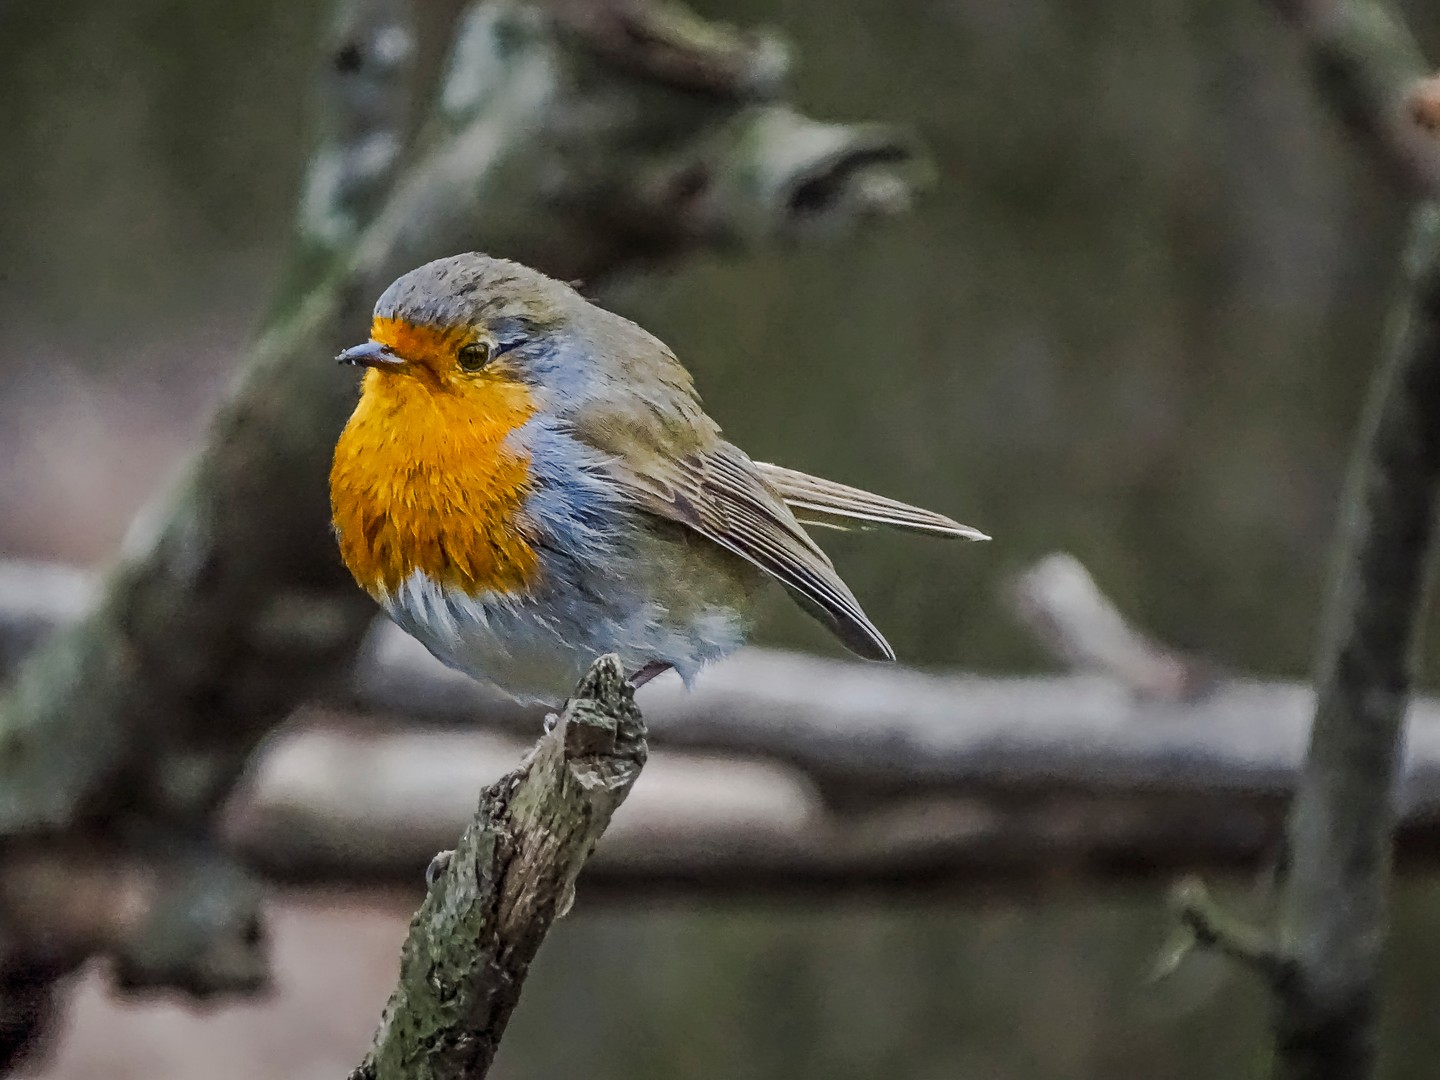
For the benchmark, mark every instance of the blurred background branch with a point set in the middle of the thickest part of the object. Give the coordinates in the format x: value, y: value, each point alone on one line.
x: 1062, y: 605
x: 787, y: 773
x: 1333, y: 919
x: 1370, y: 70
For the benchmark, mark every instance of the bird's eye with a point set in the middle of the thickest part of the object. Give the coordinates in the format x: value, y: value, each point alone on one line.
x: 475, y: 355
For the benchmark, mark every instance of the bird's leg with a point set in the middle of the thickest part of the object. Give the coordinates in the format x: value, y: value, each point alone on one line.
x: 636, y: 680
x: 648, y: 672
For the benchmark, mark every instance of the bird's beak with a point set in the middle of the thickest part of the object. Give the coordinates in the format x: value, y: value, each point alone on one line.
x: 371, y: 354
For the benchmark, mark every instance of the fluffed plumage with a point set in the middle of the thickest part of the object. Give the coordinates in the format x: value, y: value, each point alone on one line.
x: 632, y: 525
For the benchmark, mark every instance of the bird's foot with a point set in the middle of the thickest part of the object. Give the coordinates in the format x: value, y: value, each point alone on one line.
x: 438, y: 865
x: 648, y: 672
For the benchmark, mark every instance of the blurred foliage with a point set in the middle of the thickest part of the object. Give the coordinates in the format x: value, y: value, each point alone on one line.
x: 1135, y: 320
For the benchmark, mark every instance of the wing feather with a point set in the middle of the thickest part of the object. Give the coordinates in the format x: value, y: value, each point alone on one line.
x: 722, y: 497
x: 817, y: 501
x: 641, y: 411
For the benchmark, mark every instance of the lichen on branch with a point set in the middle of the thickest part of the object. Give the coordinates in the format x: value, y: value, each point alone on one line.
x: 492, y: 900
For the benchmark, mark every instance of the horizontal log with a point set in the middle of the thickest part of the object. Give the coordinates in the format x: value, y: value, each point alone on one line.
x: 782, y: 770
x: 861, y: 730
x: 330, y: 803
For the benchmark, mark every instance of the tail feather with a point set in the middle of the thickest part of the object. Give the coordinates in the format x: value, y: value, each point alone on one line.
x: 838, y: 506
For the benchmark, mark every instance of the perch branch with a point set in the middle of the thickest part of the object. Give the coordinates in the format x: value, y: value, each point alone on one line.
x: 491, y: 902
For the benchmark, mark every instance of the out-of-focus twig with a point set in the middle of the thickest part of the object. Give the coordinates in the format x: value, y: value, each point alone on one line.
x: 330, y: 803
x: 1371, y: 71
x: 140, y: 669
x: 172, y: 917
x: 493, y: 898
x: 1060, y: 602
x: 367, y: 88
x: 1204, y: 925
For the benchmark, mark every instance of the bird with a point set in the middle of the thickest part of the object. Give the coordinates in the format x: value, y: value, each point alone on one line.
x: 529, y: 481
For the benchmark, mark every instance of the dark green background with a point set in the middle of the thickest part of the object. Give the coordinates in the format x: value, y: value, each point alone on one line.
x: 1134, y: 320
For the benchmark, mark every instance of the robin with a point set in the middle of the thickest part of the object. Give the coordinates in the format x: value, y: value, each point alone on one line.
x: 529, y: 481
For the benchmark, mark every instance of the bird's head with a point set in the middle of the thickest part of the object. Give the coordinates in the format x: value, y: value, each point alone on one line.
x: 471, y: 326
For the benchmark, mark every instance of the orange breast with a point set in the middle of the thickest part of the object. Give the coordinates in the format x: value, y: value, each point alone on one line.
x: 423, y: 479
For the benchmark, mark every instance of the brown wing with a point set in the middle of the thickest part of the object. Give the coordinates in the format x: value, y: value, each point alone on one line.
x: 642, y: 412
x: 817, y: 501
x: 721, y: 496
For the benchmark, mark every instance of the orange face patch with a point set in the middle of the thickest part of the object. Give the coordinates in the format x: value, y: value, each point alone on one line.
x: 433, y: 346
x: 425, y: 479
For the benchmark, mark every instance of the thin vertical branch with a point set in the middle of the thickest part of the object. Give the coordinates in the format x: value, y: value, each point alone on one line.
x: 1325, y: 955
x: 1333, y: 904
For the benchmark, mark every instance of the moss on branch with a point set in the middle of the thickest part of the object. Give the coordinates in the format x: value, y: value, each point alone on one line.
x: 492, y: 901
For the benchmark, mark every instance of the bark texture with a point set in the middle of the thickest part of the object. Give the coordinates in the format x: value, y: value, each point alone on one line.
x: 493, y: 898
